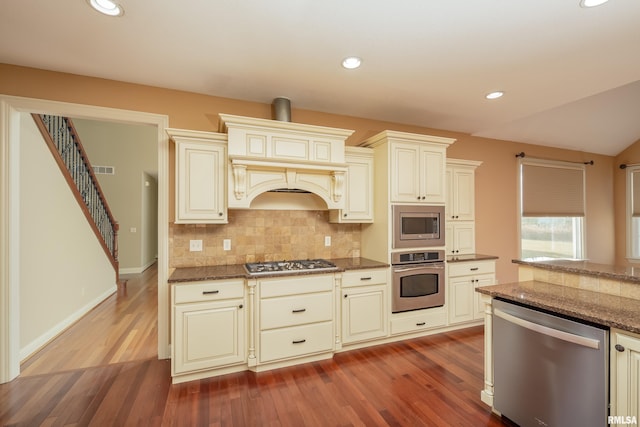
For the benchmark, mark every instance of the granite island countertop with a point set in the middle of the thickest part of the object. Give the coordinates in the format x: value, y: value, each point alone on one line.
x: 603, y: 309
x: 585, y: 267
x: 235, y: 271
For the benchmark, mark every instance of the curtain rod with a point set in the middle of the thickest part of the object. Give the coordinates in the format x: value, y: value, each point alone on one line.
x: 590, y: 162
x: 626, y: 165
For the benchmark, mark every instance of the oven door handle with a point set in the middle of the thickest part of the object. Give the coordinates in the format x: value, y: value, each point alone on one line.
x: 418, y: 267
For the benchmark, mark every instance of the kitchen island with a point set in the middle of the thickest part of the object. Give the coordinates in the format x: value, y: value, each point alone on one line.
x: 595, y: 293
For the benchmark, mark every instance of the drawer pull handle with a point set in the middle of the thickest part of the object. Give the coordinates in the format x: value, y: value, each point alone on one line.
x: 300, y: 310
x: 365, y: 278
x: 475, y: 269
x: 421, y: 324
x: 298, y: 341
x: 210, y: 292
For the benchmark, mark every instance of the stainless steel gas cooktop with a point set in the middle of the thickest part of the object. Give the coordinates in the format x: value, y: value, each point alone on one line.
x: 295, y: 266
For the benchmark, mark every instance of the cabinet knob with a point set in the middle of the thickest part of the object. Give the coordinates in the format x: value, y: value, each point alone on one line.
x: 619, y: 347
x: 424, y: 197
x: 220, y: 213
x: 344, y: 215
x: 346, y: 296
x: 240, y: 306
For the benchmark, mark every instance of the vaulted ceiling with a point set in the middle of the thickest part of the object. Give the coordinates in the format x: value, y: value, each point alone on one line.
x: 571, y: 75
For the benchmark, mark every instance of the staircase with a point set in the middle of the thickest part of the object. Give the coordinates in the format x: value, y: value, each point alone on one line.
x: 65, y: 145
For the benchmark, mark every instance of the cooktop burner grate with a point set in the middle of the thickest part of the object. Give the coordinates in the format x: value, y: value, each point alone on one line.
x: 294, y: 266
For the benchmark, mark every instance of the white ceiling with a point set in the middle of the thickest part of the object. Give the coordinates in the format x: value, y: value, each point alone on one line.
x: 571, y: 75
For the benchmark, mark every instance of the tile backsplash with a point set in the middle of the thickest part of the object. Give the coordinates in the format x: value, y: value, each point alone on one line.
x: 263, y: 235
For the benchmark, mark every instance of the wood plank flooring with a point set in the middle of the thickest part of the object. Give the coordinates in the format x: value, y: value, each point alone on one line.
x: 104, y: 371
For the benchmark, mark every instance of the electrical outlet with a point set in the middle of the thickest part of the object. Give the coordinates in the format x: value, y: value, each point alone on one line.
x: 327, y: 240
x: 195, y: 245
x: 226, y: 244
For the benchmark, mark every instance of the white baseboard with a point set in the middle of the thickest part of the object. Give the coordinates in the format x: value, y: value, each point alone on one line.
x: 43, y: 339
x: 137, y: 270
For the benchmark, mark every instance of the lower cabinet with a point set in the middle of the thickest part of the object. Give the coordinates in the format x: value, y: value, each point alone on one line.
x: 625, y: 377
x: 464, y: 304
x: 295, y: 317
x: 208, y: 326
x: 417, y: 321
x: 364, y: 305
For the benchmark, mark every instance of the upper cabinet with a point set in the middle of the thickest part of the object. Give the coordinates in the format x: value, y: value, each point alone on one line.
x: 460, y: 182
x: 358, y: 187
x: 416, y: 166
x: 201, y: 185
x: 459, y: 209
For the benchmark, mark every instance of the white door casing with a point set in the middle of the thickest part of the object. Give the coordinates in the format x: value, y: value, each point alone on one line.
x: 10, y: 109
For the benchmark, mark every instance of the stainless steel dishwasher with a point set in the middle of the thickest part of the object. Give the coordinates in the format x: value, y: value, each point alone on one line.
x: 549, y: 370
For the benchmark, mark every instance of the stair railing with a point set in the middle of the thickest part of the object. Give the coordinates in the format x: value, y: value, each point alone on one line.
x: 65, y: 145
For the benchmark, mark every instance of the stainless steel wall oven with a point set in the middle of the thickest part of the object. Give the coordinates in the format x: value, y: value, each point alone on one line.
x: 417, y: 280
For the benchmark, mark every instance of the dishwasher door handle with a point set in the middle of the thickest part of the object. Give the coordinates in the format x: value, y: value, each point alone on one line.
x: 561, y: 335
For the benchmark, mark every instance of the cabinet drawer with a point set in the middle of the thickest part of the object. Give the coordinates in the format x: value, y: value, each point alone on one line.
x: 296, y: 341
x: 208, y: 291
x: 418, y: 322
x: 295, y: 310
x: 468, y: 268
x: 304, y: 284
x: 364, y: 277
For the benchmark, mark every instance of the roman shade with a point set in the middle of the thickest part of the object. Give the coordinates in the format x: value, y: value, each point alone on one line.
x: 552, y: 189
x: 635, y: 188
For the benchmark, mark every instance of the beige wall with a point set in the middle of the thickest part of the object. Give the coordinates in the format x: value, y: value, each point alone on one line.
x: 496, y: 179
x: 56, y: 287
x: 133, y: 151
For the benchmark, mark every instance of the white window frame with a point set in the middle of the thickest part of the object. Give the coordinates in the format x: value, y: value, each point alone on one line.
x: 582, y: 246
x: 630, y: 235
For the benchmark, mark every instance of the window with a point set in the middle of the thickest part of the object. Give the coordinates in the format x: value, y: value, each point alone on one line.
x: 551, y: 209
x: 633, y: 212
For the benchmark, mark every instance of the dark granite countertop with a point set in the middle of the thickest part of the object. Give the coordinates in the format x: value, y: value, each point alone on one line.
x: 218, y: 272
x: 608, y: 310
x: 614, y: 272
x: 470, y: 257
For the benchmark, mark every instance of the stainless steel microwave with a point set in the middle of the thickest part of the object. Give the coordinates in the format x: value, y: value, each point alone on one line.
x: 416, y: 226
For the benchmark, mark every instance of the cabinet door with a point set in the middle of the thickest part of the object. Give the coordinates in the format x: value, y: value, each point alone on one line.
x: 358, y: 190
x: 364, y: 313
x: 463, y: 195
x: 481, y: 280
x: 200, y: 183
x: 461, y: 302
x: 405, y: 172
x: 626, y: 380
x: 208, y: 335
x: 462, y: 239
x: 432, y: 184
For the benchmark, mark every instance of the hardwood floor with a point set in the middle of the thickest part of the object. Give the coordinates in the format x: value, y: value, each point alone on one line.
x: 104, y: 371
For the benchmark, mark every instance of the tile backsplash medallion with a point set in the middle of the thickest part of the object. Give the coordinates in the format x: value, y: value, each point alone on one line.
x: 263, y: 235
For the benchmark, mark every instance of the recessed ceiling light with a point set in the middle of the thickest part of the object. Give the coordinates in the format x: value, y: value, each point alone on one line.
x: 351, y: 62
x: 494, y: 95
x: 106, y: 7
x: 592, y: 3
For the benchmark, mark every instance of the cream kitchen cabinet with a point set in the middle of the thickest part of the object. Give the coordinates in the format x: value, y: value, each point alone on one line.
x: 295, y: 318
x: 418, y: 321
x: 364, y: 305
x: 208, y: 327
x: 358, y: 187
x: 460, y: 183
x: 417, y: 173
x: 201, y: 185
x: 463, y: 302
x: 460, y: 237
x: 625, y: 376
